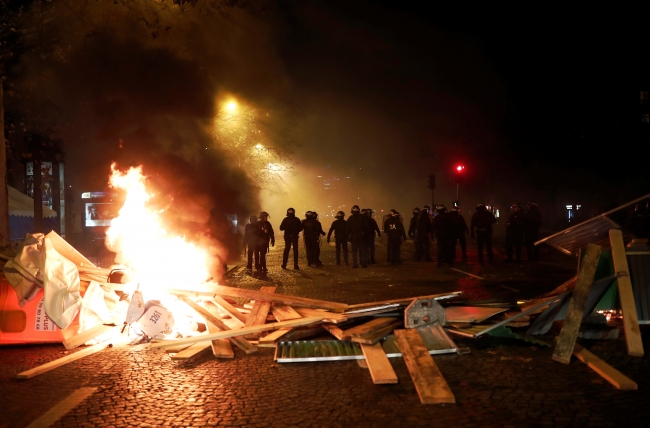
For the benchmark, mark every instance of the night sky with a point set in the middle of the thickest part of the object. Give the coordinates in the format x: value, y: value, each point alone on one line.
x: 539, y: 102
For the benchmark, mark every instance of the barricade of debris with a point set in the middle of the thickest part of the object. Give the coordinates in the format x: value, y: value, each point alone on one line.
x: 303, y: 330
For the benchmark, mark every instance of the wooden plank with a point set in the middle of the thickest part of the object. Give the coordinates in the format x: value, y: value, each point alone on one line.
x: 294, y: 301
x: 62, y: 408
x: 376, y: 336
x: 626, y: 295
x: 429, y: 382
x: 175, y: 349
x: 221, y: 348
x: 83, y: 337
x: 273, y: 337
x: 336, y: 332
x: 211, y: 314
x: 232, y: 333
x: 230, y: 309
x: 573, y: 319
x: 405, y: 301
x: 28, y: 374
x: 380, y: 369
x: 369, y: 327
x: 191, y: 351
x: 284, y: 312
x: 330, y: 317
x: 260, y: 311
x: 609, y: 373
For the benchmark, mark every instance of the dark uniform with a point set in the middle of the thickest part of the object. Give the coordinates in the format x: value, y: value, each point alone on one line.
x: 443, y: 228
x: 265, y: 236
x: 310, y: 234
x: 394, y: 229
x: 422, y: 235
x: 291, y: 227
x: 411, y: 232
x: 340, y: 227
x: 250, y: 243
x: 481, y: 224
x: 370, y: 238
x: 515, y: 233
x: 460, y: 232
x: 532, y: 222
x: 319, y: 229
x: 357, y: 229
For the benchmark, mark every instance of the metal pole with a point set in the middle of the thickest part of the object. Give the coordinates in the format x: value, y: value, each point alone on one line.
x: 457, y: 184
x: 433, y: 204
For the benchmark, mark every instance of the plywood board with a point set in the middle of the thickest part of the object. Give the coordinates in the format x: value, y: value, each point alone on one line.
x: 471, y: 314
x: 431, y: 386
x: 380, y: 368
x: 191, y: 351
x: 376, y: 336
x: 573, y: 318
x: 369, y: 327
x: 626, y: 295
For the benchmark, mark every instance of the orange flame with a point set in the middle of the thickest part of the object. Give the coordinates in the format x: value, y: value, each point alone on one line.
x: 154, y: 258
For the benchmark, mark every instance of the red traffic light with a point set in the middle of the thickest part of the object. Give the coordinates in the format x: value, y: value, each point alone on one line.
x: 460, y: 168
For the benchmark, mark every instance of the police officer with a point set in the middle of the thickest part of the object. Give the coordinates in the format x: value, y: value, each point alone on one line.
x: 422, y: 234
x: 532, y: 222
x: 265, y: 236
x: 291, y: 226
x: 339, y: 227
x: 319, y: 229
x: 310, y: 234
x: 394, y: 229
x: 481, y: 228
x: 357, y: 229
x: 411, y: 232
x: 514, y: 233
x: 460, y: 230
x: 370, y: 239
x: 443, y: 229
x: 250, y: 242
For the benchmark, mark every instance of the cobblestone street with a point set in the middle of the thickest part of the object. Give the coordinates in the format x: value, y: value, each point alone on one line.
x: 499, y: 382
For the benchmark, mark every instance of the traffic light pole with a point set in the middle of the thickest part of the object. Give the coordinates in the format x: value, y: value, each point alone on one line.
x: 457, y: 186
x: 433, y: 204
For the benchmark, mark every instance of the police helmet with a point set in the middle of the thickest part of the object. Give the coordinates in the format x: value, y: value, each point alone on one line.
x: 264, y: 214
x: 531, y: 204
x: 314, y: 214
x: 480, y: 206
x: 515, y: 205
x: 394, y: 213
x: 442, y: 209
x: 309, y: 214
x: 252, y: 219
x: 291, y: 211
x: 368, y: 211
x: 340, y: 214
x: 355, y: 209
x: 416, y: 210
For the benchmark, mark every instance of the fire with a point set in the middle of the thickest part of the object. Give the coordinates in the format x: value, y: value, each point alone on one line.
x: 154, y: 258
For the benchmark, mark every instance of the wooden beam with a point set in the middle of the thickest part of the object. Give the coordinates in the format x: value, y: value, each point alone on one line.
x: 206, y: 313
x: 380, y: 369
x: 609, y: 373
x: 336, y: 332
x: 279, y: 298
x: 284, y: 312
x: 375, y: 336
x: 575, y: 312
x: 429, y: 382
x: 230, y: 309
x: 260, y: 311
x: 369, y: 327
x: 626, y: 295
x: 232, y: 333
x: 273, y: 337
x: 221, y: 348
x: 330, y: 317
x: 28, y: 374
x: 191, y: 351
x: 83, y: 337
x: 175, y: 349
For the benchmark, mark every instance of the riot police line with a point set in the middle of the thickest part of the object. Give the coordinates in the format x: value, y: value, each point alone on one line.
x: 446, y: 228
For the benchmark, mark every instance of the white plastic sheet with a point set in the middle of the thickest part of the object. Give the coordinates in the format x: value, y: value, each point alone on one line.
x: 61, y: 287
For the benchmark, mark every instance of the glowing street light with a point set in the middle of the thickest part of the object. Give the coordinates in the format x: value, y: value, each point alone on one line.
x: 231, y: 106
x: 460, y: 174
x: 258, y: 146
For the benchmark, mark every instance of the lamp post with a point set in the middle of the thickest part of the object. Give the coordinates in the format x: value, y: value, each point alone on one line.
x: 459, y: 171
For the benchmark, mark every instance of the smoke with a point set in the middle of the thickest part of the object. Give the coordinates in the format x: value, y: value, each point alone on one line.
x: 137, y: 83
